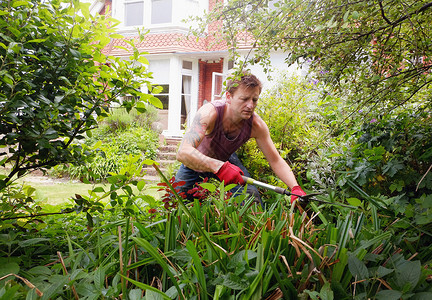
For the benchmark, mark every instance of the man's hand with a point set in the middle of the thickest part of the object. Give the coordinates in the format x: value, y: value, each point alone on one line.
x: 296, y: 190
x: 230, y: 174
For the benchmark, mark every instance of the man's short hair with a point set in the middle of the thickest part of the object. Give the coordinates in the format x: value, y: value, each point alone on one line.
x: 246, y: 79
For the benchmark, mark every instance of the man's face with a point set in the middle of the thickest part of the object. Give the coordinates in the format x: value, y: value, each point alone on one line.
x: 243, y: 101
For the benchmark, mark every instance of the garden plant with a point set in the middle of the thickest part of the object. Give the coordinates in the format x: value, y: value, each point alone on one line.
x: 128, y: 239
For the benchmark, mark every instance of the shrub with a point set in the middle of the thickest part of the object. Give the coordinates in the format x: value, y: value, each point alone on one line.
x: 113, y: 150
x: 288, y: 110
x: 120, y: 119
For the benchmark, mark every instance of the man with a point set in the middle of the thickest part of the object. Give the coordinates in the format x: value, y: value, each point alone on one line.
x: 219, y: 129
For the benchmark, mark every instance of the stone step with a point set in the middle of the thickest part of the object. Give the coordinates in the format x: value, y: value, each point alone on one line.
x: 151, y: 178
x: 168, y: 148
x: 152, y: 171
x: 166, y: 156
x: 172, y: 141
x: 162, y: 163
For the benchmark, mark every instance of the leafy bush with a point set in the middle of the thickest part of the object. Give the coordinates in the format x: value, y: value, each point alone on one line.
x: 113, y: 152
x: 120, y: 119
x: 56, y: 81
x: 116, y: 138
x: 295, y: 128
x: 391, y: 154
x: 223, y: 246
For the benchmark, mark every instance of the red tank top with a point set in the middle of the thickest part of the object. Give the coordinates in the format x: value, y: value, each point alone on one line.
x: 217, y: 144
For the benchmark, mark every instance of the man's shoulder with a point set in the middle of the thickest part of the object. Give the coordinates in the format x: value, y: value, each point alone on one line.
x: 259, y: 127
x: 257, y: 120
x: 207, y: 113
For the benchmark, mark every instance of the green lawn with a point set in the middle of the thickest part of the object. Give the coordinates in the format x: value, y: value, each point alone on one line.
x: 53, y: 192
x: 61, y: 193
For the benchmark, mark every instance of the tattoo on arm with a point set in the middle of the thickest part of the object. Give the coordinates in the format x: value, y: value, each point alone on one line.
x: 196, y: 131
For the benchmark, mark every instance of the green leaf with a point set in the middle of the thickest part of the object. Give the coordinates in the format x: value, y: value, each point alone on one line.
x: 382, y: 271
x: 208, y: 186
x: 99, y: 277
x: 143, y: 60
x: 157, y: 89
x: 408, y: 272
x: 354, y: 201
x: 140, y: 185
x: 156, y: 102
x: 98, y: 189
x: 388, y: 295
x: 10, y: 293
x: 36, y: 41
x: 422, y: 296
x: 33, y: 241
x: 116, y: 36
x: 40, y: 270
x: 199, y: 269
x: 234, y: 282
x: 135, y: 294
x: 57, y: 286
x: 141, y: 107
x: 326, y: 292
x: 149, y: 162
x: 357, y: 268
x: 9, y: 268
x: 147, y: 287
x: 160, y: 260
x: 426, y: 201
x: 20, y: 3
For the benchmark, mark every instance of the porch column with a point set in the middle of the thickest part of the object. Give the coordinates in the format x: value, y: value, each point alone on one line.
x: 174, y: 106
x: 194, y: 92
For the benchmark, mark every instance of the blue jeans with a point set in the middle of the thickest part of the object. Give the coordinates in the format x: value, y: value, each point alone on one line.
x: 190, y: 177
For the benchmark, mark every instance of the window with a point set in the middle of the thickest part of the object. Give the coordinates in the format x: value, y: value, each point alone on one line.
x: 134, y: 13
x: 161, y: 11
x: 217, y: 86
x: 187, y: 65
x: 230, y: 64
x: 163, y: 96
x: 185, y: 99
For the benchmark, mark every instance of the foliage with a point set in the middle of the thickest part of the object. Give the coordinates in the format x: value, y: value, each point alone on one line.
x: 56, y: 81
x: 18, y: 199
x: 117, y: 241
x: 222, y: 247
x: 376, y: 52
x: 391, y: 154
x: 290, y: 111
x: 113, y: 144
x: 119, y: 119
x: 390, y: 160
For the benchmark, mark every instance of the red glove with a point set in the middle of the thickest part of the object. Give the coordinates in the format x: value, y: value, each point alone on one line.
x: 230, y: 174
x: 296, y: 190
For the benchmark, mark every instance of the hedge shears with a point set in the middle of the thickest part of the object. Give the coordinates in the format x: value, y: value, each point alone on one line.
x: 303, y: 199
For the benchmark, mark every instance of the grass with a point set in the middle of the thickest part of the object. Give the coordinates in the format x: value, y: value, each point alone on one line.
x: 52, y: 192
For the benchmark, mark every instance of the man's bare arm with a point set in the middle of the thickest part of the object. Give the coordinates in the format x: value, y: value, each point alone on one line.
x: 188, y: 154
x: 262, y: 136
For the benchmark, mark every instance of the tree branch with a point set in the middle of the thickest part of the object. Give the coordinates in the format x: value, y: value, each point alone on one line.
x: 66, y: 211
x: 382, y: 13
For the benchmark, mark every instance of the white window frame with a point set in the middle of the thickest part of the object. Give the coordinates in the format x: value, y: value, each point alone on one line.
x: 214, y: 81
x: 145, y: 9
x: 162, y: 23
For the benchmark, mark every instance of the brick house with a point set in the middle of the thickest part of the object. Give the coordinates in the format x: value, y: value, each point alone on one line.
x: 191, y: 72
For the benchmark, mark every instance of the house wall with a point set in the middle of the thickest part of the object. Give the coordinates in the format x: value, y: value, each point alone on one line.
x: 180, y: 10
x: 167, y: 46
x: 206, y: 70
